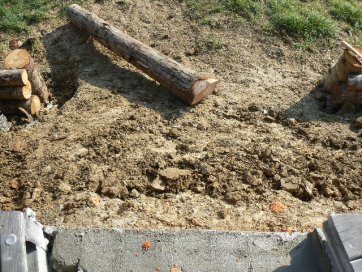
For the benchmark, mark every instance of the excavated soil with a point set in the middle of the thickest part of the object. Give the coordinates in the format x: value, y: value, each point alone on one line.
x: 117, y: 150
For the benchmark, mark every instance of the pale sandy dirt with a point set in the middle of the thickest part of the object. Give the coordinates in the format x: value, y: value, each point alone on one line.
x: 110, y: 155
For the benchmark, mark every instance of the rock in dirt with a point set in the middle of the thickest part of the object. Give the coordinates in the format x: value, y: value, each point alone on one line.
x: 82, y: 152
x: 4, y: 124
x: 94, y: 200
x: 134, y: 193
x: 158, y: 185
x: 174, y: 173
x: 307, y: 190
x: 359, y: 122
x: 65, y: 187
x: 253, y: 178
x: 290, y: 184
x: 117, y: 190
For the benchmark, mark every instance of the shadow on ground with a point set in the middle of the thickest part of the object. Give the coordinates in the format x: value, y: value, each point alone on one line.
x: 74, y: 58
x: 313, y: 107
x: 306, y: 256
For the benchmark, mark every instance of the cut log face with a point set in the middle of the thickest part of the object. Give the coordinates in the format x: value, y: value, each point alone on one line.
x: 16, y: 92
x: 32, y: 106
x: 19, y: 59
x: 18, y: 77
x: 183, y: 82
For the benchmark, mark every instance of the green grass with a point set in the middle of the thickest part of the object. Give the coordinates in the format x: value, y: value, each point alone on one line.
x: 18, y: 15
x: 301, y: 20
x: 310, y: 20
x: 347, y: 11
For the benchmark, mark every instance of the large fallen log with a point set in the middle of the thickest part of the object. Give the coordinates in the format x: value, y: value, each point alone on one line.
x: 18, y: 77
x: 21, y: 59
x: 183, y: 82
x: 32, y: 106
x: 16, y: 92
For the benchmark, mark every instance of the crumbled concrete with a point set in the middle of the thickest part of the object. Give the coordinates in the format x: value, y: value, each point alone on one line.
x: 190, y: 251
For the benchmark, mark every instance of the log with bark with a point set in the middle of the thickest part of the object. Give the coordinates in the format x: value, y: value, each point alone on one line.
x: 31, y: 105
x: 17, y: 77
x: 354, y: 83
x: 346, y: 65
x: 183, y: 82
x: 21, y: 59
x: 346, y: 95
x: 16, y: 92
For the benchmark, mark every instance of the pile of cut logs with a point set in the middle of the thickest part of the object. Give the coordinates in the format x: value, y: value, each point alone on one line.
x: 22, y: 88
x: 344, y: 82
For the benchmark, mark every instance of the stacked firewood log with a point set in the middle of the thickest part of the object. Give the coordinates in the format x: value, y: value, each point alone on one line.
x: 22, y: 88
x: 344, y: 82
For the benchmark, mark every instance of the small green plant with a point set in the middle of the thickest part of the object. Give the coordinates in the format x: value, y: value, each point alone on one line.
x: 247, y: 8
x: 122, y: 2
x: 213, y: 42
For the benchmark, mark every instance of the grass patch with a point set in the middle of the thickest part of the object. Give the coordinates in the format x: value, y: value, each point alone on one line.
x: 213, y: 42
x: 302, y: 19
x: 247, y: 8
x: 347, y: 10
x: 18, y: 15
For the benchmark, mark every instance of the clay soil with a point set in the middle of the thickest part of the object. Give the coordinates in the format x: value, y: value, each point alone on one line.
x: 117, y: 150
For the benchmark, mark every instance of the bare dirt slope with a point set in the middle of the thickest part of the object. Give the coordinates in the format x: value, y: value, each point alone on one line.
x: 121, y: 152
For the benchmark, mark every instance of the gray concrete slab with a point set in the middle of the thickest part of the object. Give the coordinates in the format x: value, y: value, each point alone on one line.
x: 341, y: 238
x: 189, y: 251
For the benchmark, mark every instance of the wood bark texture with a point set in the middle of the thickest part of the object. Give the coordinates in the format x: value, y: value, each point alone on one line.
x: 32, y: 106
x: 355, y: 83
x: 16, y: 92
x: 18, y: 77
x: 346, y: 65
x: 21, y: 59
x: 181, y: 81
x: 347, y: 95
